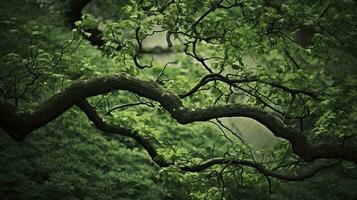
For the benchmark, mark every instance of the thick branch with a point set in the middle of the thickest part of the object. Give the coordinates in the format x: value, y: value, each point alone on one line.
x: 75, y: 13
x: 92, y: 115
x: 100, y: 124
x: 18, y: 125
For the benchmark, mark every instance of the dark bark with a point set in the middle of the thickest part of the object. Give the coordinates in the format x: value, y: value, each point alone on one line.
x: 19, y: 125
x: 75, y: 11
x: 218, y: 77
x: 100, y: 124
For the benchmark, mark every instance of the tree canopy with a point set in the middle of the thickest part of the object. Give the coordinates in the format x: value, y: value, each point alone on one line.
x: 178, y: 99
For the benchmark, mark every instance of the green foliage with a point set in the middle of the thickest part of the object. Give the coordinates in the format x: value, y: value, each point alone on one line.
x: 70, y: 159
x: 73, y: 164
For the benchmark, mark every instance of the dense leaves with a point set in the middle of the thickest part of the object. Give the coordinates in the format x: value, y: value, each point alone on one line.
x: 290, y: 65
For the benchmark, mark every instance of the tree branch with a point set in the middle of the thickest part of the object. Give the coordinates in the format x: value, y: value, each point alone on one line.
x: 18, y: 124
x: 92, y: 115
x: 100, y: 124
x: 260, y: 168
x: 218, y: 77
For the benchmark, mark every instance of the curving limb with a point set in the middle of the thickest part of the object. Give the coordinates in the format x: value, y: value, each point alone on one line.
x: 100, y: 124
x: 260, y: 168
x: 218, y: 77
x: 18, y: 124
x: 212, y: 35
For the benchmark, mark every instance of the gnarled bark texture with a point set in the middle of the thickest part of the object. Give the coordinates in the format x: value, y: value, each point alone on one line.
x: 19, y: 124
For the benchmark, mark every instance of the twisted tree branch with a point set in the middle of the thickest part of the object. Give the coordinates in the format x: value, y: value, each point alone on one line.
x: 18, y: 124
x: 100, y: 124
